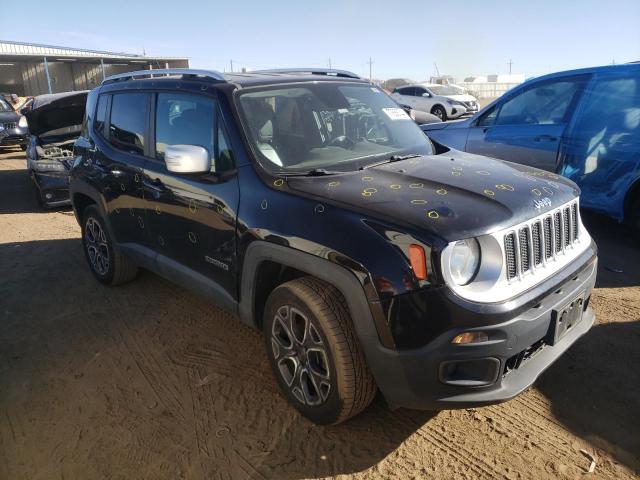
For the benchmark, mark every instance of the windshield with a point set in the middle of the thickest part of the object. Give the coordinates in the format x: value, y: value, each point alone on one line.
x: 446, y: 90
x: 327, y: 125
x: 4, y: 106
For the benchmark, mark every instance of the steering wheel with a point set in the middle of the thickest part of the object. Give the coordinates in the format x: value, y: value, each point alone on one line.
x: 342, y: 141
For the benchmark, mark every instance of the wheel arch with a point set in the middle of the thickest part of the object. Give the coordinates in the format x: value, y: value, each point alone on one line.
x: 266, y: 265
x: 632, y: 195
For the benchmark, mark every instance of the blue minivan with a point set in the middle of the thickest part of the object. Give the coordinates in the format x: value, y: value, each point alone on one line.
x: 583, y: 124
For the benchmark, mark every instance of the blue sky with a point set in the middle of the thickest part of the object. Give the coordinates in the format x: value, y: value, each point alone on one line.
x: 404, y: 38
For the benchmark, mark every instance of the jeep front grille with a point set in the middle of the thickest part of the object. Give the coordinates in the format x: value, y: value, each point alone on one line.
x: 10, y: 125
x: 541, y: 239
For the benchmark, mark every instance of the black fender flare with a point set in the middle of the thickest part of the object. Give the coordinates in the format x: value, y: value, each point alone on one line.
x: 82, y: 187
x: 366, y: 315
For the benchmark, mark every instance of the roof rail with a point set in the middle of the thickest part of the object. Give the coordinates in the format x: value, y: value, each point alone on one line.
x: 313, y: 71
x: 165, y: 71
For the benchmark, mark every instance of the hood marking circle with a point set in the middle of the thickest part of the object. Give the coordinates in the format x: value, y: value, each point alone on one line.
x: 433, y: 214
x: 264, y: 204
x: 441, y: 191
x: 547, y: 190
x: 333, y: 184
x: 505, y: 186
x: 319, y: 208
x: 416, y: 185
x: 419, y: 202
x: 367, y: 179
x: 491, y: 193
x: 536, y: 192
x: 483, y: 172
x: 395, y: 186
x: 278, y: 183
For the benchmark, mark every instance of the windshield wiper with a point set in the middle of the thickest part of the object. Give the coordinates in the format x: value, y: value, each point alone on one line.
x: 391, y: 159
x: 316, y: 172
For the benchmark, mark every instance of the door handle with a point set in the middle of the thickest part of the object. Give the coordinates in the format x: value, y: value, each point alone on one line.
x: 545, y: 138
x: 156, y: 186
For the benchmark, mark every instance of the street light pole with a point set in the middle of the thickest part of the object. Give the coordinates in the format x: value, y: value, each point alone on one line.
x: 46, y: 71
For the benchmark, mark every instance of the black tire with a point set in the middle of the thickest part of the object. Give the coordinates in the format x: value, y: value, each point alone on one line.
x: 115, y: 268
x: 439, y: 112
x: 327, y: 327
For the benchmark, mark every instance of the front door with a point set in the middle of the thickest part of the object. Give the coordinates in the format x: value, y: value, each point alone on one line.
x: 191, y: 218
x: 527, y: 127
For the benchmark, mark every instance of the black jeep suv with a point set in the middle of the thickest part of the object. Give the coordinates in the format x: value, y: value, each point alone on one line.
x: 309, y: 204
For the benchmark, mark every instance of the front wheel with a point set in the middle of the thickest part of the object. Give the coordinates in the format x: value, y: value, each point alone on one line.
x: 107, y: 264
x: 439, y: 112
x: 314, y: 352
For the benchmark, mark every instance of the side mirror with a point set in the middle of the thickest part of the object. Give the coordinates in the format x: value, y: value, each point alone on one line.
x: 187, y: 159
x: 426, y: 94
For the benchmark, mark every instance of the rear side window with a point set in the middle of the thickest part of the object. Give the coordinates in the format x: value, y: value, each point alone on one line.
x: 101, y: 114
x: 410, y: 91
x: 544, y: 104
x: 128, y: 121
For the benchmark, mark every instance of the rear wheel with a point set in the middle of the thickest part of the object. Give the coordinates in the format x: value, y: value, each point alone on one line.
x: 107, y: 265
x: 439, y: 112
x: 314, y: 352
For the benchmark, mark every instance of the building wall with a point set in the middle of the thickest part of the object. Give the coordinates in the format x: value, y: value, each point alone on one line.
x: 27, y: 78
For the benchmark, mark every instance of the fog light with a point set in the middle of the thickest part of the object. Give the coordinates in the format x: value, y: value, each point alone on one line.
x: 470, y: 337
x: 48, y: 196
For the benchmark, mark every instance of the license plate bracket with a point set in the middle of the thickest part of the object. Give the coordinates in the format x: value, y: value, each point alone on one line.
x: 566, y: 318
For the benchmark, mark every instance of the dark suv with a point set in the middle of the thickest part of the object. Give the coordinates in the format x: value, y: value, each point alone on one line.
x: 309, y: 204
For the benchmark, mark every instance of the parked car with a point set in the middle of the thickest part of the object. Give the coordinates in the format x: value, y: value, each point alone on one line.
x: 419, y: 116
x: 13, y: 126
x: 307, y: 203
x: 54, y: 122
x: 443, y: 101
x: 583, y: 124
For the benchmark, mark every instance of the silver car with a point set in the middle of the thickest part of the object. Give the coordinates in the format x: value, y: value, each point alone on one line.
x: 444, y: 101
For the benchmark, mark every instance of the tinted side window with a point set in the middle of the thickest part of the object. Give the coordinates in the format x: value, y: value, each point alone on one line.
x: 488, y: 118
x: 544, y: 104
x: 128, y: 121
x: 183, y: 119
x: 410, y: 91
x: 420, y: 91
x: 101, y: 114
x: 224, y: 158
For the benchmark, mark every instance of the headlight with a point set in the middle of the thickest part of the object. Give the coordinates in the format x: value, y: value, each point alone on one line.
x: 464, y: 261
x: 22, y: 122
x: 454, y: 102
x: 1, y: 126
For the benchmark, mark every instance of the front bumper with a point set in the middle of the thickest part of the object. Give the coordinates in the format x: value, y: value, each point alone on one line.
x: 518, y: 351
x: 53, y: 187
x: 13, y: 136
x: 458, y: 111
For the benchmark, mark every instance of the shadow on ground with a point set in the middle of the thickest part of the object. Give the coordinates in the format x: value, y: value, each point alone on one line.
x: 595, y: 389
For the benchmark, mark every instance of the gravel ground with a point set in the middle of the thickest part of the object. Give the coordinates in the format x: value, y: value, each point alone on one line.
x: 147, y: 380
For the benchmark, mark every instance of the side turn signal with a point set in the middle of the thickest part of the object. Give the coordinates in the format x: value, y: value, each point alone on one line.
x: 418, y: 261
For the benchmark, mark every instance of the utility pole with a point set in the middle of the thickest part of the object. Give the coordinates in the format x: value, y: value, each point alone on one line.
x: 436, y: 67
x: 329, y: 63
x: 510, y: 62
x: 370, y: 62
x: 231, y: 65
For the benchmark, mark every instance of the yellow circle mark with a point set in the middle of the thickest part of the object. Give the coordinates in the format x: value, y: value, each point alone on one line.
x: 441, y: 191
x: 122, y: 187
x: 547, y: 190
x: 367, y: 179
x: 319, y: 208
x: 536, y: 192
x: 456, y: 173
x: 419, y: 202
x: 140, y: 222
x: 278, y: 183
x: 264, y: 204
x: 192, y: 206
x: 370, y: 190
x: 366, y: 194
x: 459, y: 169
x: 333, y: 184
x: 491, y: 193
x: 483, y: 172
x: 158, y: 210
x: 416, y: 185
x: 433, y: 214
x: 192, y: 237
x: 504, y: 186
x: 395, y: 187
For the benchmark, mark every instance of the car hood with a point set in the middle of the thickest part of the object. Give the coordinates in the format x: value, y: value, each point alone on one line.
x: 53, y: 112
x: 461, y: 97
x: 453, y: 196
x: 9, y: 117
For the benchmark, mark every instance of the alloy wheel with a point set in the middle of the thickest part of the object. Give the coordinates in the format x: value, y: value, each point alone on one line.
x: 97, y: 248
x: 301, y: 356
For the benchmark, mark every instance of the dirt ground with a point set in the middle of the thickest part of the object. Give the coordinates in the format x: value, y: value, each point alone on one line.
x: 147, y: 380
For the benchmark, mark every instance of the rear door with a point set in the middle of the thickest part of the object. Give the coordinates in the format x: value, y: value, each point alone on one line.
x: 528, y: 125
x: 406, y: 96
x: 119, y: 157
x: 192, y: 217
x: 601, y: 152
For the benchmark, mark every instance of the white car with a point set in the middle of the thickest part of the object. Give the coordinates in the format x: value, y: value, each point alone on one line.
x: 443, y: 101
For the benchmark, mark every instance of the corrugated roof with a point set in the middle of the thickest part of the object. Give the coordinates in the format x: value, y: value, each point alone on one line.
x: 38, y: 50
